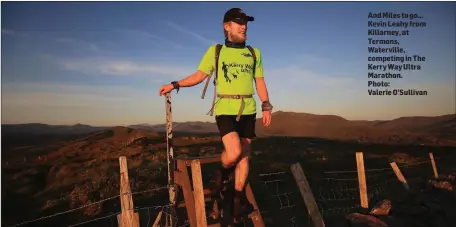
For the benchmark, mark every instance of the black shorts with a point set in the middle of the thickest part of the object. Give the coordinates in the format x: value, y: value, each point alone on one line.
x: 245, y: 127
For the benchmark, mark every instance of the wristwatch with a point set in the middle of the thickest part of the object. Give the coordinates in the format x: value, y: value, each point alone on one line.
x: 266, y: 106
x: 176, y: 86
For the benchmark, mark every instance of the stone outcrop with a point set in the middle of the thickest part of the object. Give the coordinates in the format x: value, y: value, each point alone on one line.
x: 431, y: 206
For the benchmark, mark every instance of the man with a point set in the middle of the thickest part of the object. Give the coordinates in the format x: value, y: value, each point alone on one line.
x: 235, y: 107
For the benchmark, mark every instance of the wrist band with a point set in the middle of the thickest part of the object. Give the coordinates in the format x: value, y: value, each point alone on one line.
x: 176, y: 86
x: 266, y: 106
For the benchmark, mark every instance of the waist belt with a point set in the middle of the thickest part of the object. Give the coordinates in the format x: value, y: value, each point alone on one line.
x: 242, y: 97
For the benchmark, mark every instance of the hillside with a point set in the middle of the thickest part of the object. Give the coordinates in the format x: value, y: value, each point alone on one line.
x: 438, y: 130
x: 60, y: 174
x: 38, y: 128
x: 48, y: 177
x: 189, y: 127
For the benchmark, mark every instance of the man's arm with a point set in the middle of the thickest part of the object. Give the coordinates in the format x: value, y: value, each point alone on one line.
x: 261, y: 89
x: 192, y: 80
x: 205, y: 68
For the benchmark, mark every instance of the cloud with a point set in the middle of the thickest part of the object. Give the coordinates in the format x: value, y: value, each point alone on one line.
x: 297, y: 76
x: 147, y: 35
x: 94, y: 66
x: 439, y: 100
x: 63, y: 103
x: 309, y: 59
x: 89, y: 92
x: 11, y: 32
x: 346, y: 95
x: 188, y: 32
x: 81, y: 43
x: 57, y: 103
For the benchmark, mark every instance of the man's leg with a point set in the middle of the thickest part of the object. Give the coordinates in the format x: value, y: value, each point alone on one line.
x: 242, y: 167
x: 227, y: 126
x: 241, y: 175
x: 233, y: 149
x: 246, y: 130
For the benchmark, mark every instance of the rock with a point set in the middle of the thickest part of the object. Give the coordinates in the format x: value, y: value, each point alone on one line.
x: 49, y: 204
x: 441, y: 184
x: 431, y: 204
x: 382, y: 208
x: 184, y: 150
x: 402, y: 221
x: 256, y: 152
x: 363, y: 220
x: 408, y: 209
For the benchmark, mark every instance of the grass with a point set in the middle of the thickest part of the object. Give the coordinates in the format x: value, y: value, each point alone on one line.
x: 90, y: 172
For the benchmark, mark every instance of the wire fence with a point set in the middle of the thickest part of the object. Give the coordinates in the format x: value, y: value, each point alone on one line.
x: 278, y: 199
x: 336, y: 194
x: 78, y: 217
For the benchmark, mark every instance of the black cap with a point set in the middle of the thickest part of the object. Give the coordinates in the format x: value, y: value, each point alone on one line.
x: 236, y: 15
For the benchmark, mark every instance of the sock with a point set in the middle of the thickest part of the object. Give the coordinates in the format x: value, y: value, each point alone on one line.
x: 240, y: 195
x: 238, y: 203
x: 225, y: 172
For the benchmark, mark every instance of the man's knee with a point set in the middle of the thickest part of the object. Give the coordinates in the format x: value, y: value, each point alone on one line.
x: 242, y: 172
x: 244, y: 161
x: 233, y: 148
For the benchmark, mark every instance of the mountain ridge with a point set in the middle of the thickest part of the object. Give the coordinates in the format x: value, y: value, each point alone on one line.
x: 408, y: 129
x: 208, y: 122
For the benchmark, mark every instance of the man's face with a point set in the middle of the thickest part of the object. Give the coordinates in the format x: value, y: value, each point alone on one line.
x: 237, y: 31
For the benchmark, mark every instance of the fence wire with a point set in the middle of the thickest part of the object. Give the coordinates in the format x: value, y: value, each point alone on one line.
x: 279, y: 199
x: 336, y: 194
x: 57, y: 219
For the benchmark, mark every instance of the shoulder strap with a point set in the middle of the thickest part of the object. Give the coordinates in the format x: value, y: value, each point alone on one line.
x: 252, y: 51
x: 218, y: 47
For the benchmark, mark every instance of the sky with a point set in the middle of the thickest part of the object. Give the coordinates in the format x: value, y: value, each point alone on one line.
x: 102, y: 63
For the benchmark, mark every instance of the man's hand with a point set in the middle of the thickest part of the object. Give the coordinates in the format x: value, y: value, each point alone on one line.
x: 267, y: 118
x: 166, y: 89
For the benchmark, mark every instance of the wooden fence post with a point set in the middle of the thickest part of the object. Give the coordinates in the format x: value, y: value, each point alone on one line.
x: 362, y: 180
x: 157, y: 220
x: 171, y: 162
x: 399, y: 175
x: 307, y: 195
x: 256, y: 216
x: 198, y: 194
x: 128, y: 218
x: 434, y: 167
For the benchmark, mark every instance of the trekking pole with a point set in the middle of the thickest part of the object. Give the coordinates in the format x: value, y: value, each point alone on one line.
x: 170, y: 157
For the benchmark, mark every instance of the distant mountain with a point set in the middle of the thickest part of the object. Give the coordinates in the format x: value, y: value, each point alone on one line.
x: 415, y: 123
x: 114, y: 138
x: 38, y: 129
x: 420, y: 130
x: 443, y: 127
x: 188, y: 127
x: 142, y: 126
x: 415, y: 129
